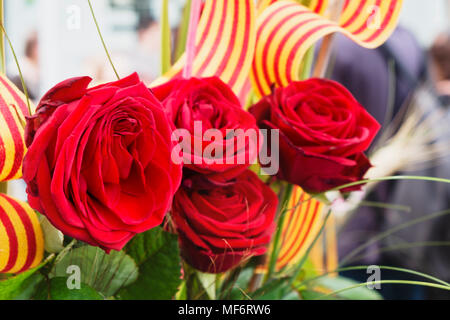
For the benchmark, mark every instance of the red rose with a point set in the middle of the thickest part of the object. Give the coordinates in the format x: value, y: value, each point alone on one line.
x: 197, y: 106
x: 219, y: 226
x: 323, y: 133
x: 98, y: 164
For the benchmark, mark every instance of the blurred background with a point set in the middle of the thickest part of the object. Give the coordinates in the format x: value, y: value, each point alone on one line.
x: 57, y: 39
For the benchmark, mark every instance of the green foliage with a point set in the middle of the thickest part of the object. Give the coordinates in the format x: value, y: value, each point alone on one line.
x: 60, y: 291
x: 330, y: 284
x: 12, y: 287
x: 22, y: 285
x: 195, y: 288
x: 30, y: 286
x: 313, y: 295
x: 276, y: 289
x: 308, y: 271
x: 157, y: 255
x: 238, y: 289
x: 106, y: 273
x: 182, y: 31
x: 208, y: 282
x: 165, y: 38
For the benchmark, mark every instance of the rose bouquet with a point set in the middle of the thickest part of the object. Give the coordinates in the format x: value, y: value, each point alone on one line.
x: 212, y: 182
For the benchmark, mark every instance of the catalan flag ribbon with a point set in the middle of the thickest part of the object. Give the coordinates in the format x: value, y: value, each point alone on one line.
x: 286, y: 30
x: 21, y: 238
x: 302, y: 223
x: 13, y: 109
x: 317, y: 6
x: 225, y: 43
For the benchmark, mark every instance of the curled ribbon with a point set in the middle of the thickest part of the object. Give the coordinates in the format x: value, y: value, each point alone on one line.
x: 21, y: 238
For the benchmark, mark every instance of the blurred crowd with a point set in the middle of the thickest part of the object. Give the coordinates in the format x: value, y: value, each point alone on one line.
x: 394, y: 82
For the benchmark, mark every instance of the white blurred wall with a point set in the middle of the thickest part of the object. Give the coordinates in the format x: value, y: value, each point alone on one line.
x: 426, y: 18
x: 68, y: 38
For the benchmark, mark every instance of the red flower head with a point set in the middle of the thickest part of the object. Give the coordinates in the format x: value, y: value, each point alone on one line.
x: 323, y: 133
x: 207, y: 106
x: 99, y: 160
x: 219, y: 226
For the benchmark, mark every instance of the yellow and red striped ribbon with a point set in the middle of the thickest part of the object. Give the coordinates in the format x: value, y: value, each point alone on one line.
x: 304, y: 217
x: 13, y: 109
x: 225, y: 43
x: 324, y: 254
x: 317, y: 6
x: 286, y: 30
x: 21, y: 238
x: 301, y: 224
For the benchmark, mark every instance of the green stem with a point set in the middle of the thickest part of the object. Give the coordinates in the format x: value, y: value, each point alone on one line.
x: 390, y: 178
x: 249, y: 101
x: 229, y: 282
x: 416, y: 273
x: 4, y: 187
x: 165, y: 38
x: 2, y: 41
x: 386, y: 233
x: 417, y: 283
x: 194, y: 287
x: 320, y: 195
x: 298, y: 268
x: 406, y: 246
x: 103, y: 41
x: 307, y: 64
x: 183, y: 30
x: 276, y: 241
x: 25, y: 90
x: 306, y: 3
x: 375, y: 204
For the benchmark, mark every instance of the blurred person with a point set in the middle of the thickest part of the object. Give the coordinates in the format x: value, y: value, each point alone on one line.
x: 146, y: 59
x: 385, y: 80
x: 440, y: 66
x: 429, y: 197
x: 419, y: 79
x: 401, y: 58
x: 29, y: 66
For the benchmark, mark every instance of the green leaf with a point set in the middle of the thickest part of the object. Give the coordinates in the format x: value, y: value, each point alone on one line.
x: 42, y: 291
x: 157, y: 254
x: 313, y: 295
x: 239, y: 289
x: 60, y: 291
x: 208, y: 282
x: 307, y: 272
x: 12, y: 287
x: 29, y: 287
x: 106, y: 273
x: 276, y: 289
x: 165, y: 38
x: 182, y: 292
x: 337, y: 283
x: 283, y: 292
x: 199, y: 286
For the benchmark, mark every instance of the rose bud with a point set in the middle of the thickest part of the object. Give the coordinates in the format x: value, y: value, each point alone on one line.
x: 99, y: 160
x: 323, y: 132
x: 220, y: 226
x: 220, y: 139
